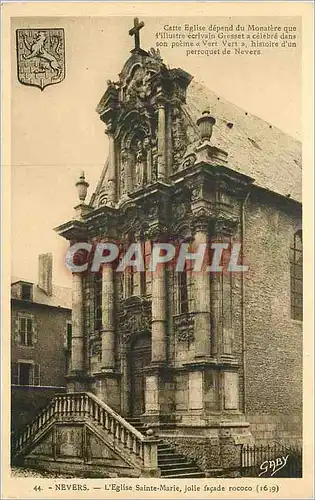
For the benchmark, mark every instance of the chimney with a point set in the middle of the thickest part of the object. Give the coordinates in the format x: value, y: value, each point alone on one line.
x: 45, y: 273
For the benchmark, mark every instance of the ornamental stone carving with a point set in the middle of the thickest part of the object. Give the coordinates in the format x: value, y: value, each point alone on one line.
x: 201, y: 220
x: 135, y: 318
x: 180, y: 210
x: 197, y: 189
x: 179, y: 138
x: 96, y: 349
x: 189, y: 161
x: 157, y: 232
x: 184, y: 327
x: 139, y: 87
x: 155, y: 54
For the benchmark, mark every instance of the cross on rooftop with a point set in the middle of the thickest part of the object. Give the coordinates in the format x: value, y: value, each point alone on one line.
x: 135, y: 31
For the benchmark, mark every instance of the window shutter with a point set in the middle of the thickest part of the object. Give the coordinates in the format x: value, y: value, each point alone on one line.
x: 36, y: 374
x: 69, y: 336
x: 29, y: 332
x: 15, y: 373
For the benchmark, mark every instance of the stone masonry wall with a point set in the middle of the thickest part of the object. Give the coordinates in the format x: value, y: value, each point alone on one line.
x: 273, y: 372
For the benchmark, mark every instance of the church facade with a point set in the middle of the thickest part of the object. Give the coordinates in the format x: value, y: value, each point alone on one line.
x: 202, y: 362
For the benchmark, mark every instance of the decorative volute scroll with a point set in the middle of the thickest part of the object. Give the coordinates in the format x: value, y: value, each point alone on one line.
x: 144, y: 121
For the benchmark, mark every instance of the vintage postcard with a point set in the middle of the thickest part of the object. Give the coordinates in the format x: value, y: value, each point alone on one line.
x: 157, y: 337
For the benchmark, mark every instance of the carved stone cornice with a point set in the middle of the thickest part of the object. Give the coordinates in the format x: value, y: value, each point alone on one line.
x: 107, y: 107
x: 102, y: 222
x: 223, y: 226
x: 74, y: 230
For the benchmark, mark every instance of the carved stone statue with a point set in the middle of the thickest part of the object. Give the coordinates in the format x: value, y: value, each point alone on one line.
x: 123, y: 172
x: 140, y: 86
x: 140, y: 164
x: 179, y: 140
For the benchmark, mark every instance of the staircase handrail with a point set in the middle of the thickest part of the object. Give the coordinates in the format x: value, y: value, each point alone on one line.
x: 118, y: 417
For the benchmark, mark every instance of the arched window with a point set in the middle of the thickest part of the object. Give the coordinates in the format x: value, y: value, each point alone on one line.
x: 296, y: 259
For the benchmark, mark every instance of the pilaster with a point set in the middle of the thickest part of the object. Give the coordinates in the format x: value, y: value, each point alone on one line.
x: 202, y: 295
x: 112, y: 175
x: 108, y: 320
x: 77, y: 348
x: 162, y: 174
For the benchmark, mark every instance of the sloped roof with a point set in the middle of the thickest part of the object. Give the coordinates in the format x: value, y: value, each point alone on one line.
x: 255, y: 147
x: 61, y: 295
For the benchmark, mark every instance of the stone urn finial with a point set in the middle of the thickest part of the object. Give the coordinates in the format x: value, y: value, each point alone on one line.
x: 205, y: 124
x: 150, y: 432
x: 82, y: 186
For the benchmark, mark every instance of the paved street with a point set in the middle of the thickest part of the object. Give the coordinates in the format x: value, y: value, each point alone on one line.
x: 22, y: 472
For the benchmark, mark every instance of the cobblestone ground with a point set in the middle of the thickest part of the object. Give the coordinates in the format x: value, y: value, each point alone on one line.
x: 22, y: 472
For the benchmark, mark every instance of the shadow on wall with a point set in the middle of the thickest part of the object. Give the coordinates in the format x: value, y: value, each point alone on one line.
x: 26, y: 403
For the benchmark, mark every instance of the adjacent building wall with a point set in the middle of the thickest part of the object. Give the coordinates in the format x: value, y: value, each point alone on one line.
x: 49, y: 351
x: 273, y: 350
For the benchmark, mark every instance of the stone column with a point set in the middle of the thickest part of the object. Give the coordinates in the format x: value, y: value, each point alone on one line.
x: 111, y: 169
x: 215, y: 306
x: 161, y: 142
x: 201, y: 292
x: 77, y: 348
x: 221, y: 294
x: 108, y: 327
x: 159, y: 314
x: 169, y: 142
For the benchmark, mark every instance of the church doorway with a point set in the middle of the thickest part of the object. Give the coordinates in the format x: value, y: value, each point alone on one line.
x: 139, y: 359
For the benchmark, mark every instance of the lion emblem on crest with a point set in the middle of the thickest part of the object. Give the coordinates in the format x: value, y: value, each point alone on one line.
x: 40, y: 56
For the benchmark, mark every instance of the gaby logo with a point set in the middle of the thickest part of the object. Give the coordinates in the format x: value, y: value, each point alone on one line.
x: 204, y: 257
x: 273, y: 466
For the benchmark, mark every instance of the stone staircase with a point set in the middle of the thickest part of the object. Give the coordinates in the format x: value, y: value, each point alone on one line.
x: 171, y: 464
x: 128, y: 445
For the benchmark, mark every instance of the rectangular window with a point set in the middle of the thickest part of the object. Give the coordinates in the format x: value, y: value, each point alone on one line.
x: 26, y: 292
x: 25, y: 373
x: 183, y: 290
x: 146, y: 276
x: 69, y: 336
x: 26, y: 331
x: 296, y: 260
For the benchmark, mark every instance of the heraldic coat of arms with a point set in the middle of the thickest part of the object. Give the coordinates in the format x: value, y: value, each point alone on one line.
x: 40, y: 56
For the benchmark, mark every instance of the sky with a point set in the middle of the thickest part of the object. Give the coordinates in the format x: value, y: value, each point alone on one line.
x: 55, y: 134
